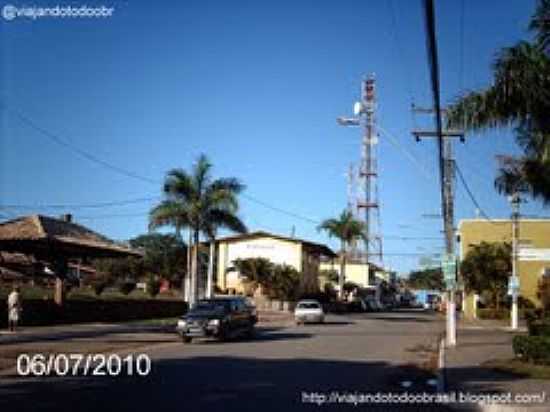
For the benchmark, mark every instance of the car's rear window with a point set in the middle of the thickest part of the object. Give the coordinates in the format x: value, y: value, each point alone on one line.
x: 211, y: 305
x: 308, y: 306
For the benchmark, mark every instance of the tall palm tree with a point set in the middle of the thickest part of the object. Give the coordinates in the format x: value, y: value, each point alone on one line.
x: 520, y: 97
x: 348, y: 230
x: 175, y: 214
x: 203, y: 205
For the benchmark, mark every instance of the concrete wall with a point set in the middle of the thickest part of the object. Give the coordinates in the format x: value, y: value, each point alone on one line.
x: 534, y: 236
x: 355, y: 272
x: 276, y: 250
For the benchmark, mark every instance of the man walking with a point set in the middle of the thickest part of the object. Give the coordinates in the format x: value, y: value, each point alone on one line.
x: 14, y: 308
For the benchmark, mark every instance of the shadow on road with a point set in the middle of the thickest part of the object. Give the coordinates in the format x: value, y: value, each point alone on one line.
x: 225, y: 383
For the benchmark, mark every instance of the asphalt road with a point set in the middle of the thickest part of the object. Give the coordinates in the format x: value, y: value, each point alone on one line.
x: 280, y: 370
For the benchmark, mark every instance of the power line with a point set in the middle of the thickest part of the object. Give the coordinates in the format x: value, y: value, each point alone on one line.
x: 400, y: 51
x: 82, y: 153
x: 472, y: 197
x: 81, y: 206
x: 89, y: 156
x: 425, y: 172
x: 277, y: 209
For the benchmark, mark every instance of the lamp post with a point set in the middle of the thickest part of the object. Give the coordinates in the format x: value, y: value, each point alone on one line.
x: 515, y: 201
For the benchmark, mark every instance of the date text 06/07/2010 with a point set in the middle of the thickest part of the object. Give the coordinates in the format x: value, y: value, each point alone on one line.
x: 78, y: 364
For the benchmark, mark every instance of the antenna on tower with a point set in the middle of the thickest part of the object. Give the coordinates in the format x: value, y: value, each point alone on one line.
x: 367, y: 205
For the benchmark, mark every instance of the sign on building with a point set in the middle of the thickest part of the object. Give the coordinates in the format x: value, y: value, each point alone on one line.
x: 533, y: 254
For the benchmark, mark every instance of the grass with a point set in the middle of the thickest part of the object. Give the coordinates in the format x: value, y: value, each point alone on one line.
x: 519, y: 369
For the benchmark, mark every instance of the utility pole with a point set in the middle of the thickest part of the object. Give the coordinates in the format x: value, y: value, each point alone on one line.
x: 447, y: 194
x: 515, y: 202
x: 367, y: 205
x: 445, y: 171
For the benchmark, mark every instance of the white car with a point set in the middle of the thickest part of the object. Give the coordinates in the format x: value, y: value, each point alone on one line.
x: 309, y: 311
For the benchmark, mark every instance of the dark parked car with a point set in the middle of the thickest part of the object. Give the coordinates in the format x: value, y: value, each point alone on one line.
x: 220, y: 317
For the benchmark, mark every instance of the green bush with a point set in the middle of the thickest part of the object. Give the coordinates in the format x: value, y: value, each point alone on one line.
x: 535, y: 349
x: 539, y: 327
x: 99, y: 286
x: 153, y: 286
x: 126, y: 286
x: 489, y: 313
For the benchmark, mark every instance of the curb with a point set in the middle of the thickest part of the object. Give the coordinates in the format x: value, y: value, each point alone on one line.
x: 441, y: 381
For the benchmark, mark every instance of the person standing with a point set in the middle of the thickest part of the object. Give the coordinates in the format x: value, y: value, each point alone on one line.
x: 14, y: 308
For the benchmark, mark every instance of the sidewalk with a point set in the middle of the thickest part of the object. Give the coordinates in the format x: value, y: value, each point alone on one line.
x: 477, y: 343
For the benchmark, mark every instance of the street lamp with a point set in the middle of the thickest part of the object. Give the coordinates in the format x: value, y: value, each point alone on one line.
x: 513, y: 286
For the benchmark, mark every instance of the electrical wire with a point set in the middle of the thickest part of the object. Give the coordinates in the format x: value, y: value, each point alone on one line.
x: 424, y: 171
x: 81, y: 206
x: 82, y: 153
x: 472, y: 197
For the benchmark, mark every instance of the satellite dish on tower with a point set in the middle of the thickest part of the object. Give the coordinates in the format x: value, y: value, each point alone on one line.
x: 357, y: 108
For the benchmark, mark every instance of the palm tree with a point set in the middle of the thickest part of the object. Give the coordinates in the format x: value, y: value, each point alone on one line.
x: 519, y: 97
x: 203, y: 205
x: 348, y: 230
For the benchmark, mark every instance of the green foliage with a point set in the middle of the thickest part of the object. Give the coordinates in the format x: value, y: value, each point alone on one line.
x: 430, y: 279
x: 345, y: 228
x: 99, y: 285
x: 519, y: 346
x: 491, y: 313
x: 197, y: 202
x: 126, y: 286
x: 329, y: 291
x: 539, y: 327
x: 350, y: 286
x: 277, y: 281
x: 543, y: 293
x: 519, y: 95
x: 535, y: 349
x: 153, y: 286
x: 486, y: 268
x: 285, y: 282
x: 165, y: 255
x: 114, y: 270
x: 348, y: 230
x: 329, y: 274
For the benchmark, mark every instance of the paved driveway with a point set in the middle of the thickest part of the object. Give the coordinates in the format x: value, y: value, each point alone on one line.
x: 282, y: 369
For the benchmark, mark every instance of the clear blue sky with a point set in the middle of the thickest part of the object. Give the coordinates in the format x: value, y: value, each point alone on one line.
x: 257, y: 86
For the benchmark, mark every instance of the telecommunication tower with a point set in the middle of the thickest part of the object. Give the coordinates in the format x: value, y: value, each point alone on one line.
x: 367, y: 205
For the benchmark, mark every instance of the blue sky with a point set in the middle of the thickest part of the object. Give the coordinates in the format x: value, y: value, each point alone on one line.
x: 257, y: 86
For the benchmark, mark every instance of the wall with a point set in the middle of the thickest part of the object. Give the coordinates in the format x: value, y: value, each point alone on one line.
x: 534, y: 234
x: 355, y: 272
x: 276, y: 250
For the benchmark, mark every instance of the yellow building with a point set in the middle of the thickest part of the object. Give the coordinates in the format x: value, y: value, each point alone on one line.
x: 303, y: 255
x: 357, y: 272
x: 533, y: 254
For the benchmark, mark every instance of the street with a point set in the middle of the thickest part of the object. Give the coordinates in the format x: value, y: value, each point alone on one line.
x: 278, y: 370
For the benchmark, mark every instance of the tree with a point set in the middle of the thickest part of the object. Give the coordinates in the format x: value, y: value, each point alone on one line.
x: 430, y: 279
x: 519, y: 97
x: 165, y: 255
x: 257, y: 271
x: 203, y: 205
x: 277, y: 281
x: 486, y: 268
x: 348, y: 230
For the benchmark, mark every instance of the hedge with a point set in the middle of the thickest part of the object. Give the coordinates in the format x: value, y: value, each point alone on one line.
x: 501, y: 314
x: 39, y: 312
x: 539, y: 327
x: 534, y: 349
x: 493, y: 314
